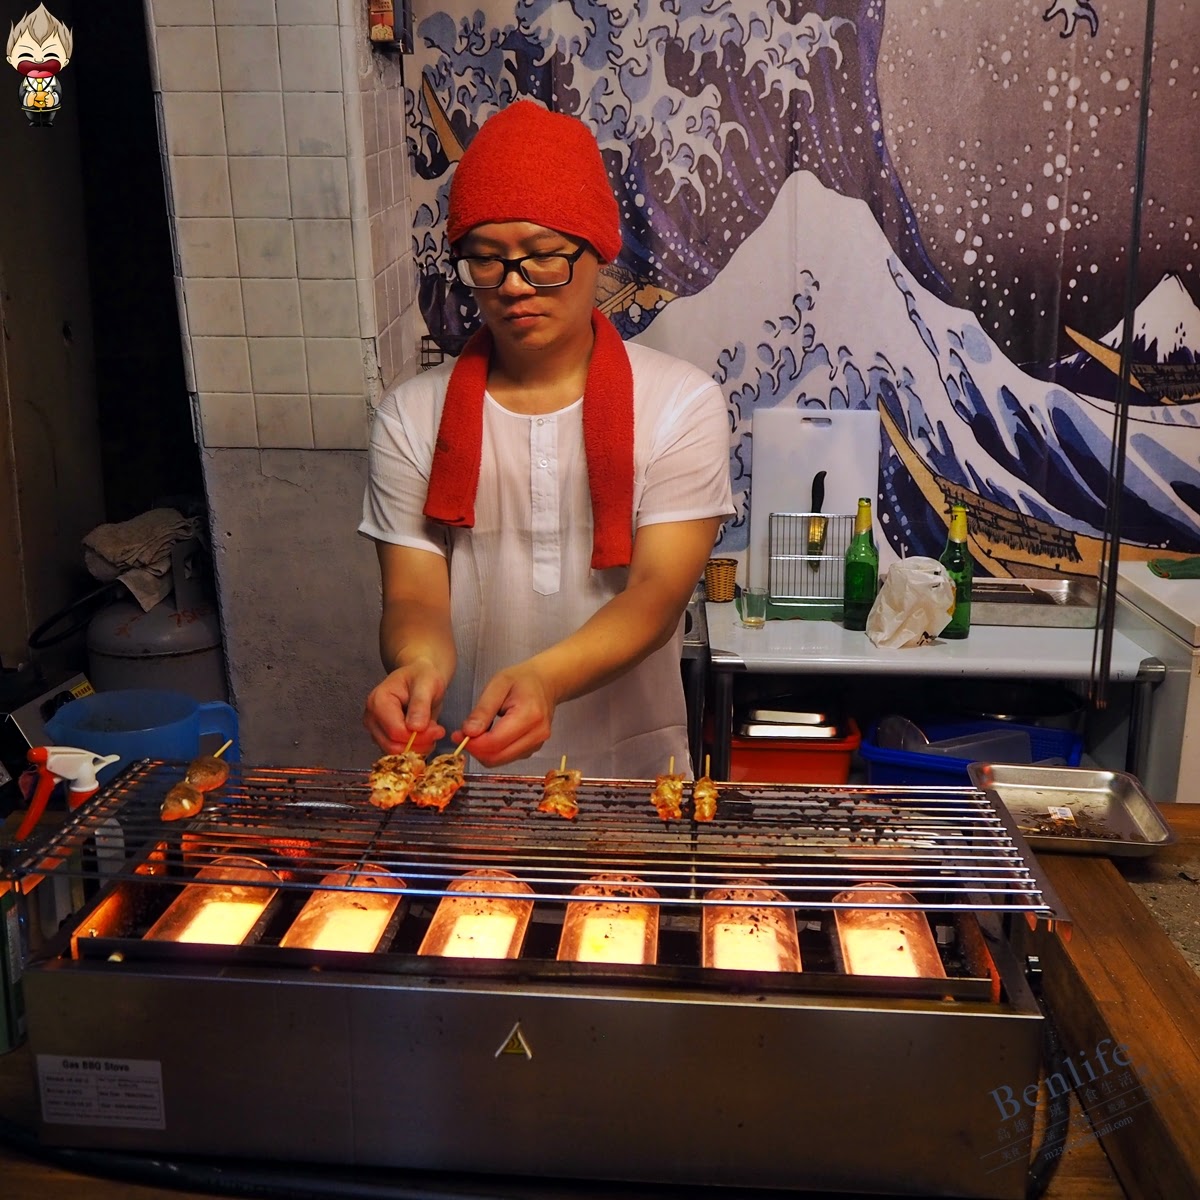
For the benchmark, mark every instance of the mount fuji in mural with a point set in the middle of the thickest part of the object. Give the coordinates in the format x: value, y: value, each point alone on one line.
x: 1164, y: 352
x: 841, y: 323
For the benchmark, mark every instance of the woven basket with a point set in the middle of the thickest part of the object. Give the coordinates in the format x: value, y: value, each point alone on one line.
x: 720, y: 578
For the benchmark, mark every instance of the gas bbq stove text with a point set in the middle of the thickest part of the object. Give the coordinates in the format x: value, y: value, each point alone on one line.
x: 1107, y: 1085
x: 114, y: 1092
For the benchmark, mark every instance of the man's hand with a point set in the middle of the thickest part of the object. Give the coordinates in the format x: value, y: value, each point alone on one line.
x: 405, y: 705
x: 417, y: 648
x: 512, y: 718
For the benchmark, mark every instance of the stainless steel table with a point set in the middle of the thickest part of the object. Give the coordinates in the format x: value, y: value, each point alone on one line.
x: 803, y: 647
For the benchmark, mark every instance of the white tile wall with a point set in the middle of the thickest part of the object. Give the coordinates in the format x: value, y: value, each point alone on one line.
x: 228, y: 419
x: 272, y: 307
x: 319, y: 187
x: 329, y: 306
x: 206, y: 247
x: 200, y: 185
x: 277, y: 365
x: 260, y: 186
x: 187, y: 59
x: 284, y: 421
x: 181, y: 12
x: 324, y: 249
x: 311, y: 58
x: 248, y: 57
x: 265, y: 247
x: 221, y: 363
x: 307, y: 12
x: 195, y: 122
x: 340, y: 422
x: 244, y: 12
x: 334, y: 364
x: 214, y: 307
x: 293, y: 309
x: 316, y: 123
x: 254, y: 123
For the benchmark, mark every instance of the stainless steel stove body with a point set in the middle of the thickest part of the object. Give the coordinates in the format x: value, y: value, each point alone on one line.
x: 668, y: 1071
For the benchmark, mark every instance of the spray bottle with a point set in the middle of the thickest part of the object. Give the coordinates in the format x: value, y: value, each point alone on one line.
x: 53, y: 764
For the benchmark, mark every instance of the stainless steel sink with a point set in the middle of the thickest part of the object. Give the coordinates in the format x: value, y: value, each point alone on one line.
x: 1068, y: 602
x: 695, y: 625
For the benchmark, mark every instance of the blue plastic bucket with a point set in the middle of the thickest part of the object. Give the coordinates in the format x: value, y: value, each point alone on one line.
x: 143, y: 723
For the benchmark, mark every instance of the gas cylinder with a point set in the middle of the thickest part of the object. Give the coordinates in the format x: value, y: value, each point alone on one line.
x: 176, y: 645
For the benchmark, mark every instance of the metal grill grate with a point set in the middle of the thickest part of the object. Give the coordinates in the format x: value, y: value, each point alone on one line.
x: 953, y: 849
x: 797, y: 572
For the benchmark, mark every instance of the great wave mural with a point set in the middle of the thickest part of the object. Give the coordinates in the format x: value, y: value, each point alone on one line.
x: 917, y: 207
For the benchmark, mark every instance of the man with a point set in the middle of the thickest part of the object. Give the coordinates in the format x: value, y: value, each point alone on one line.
x: 543, y: 509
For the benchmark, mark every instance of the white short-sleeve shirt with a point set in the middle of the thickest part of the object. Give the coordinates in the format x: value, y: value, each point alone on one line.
x: 521, y: 578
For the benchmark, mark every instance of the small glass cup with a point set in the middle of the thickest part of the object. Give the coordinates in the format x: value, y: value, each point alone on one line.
x: 754, y: 607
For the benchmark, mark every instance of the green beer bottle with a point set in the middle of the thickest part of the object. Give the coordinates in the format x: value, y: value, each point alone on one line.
x: 956, y: 558
x: 860, y: 577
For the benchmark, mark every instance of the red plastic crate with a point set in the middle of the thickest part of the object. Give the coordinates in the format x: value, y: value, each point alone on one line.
x: 794, y: 760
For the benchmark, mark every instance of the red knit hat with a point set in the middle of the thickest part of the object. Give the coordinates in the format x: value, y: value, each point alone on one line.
x: 528, y: 164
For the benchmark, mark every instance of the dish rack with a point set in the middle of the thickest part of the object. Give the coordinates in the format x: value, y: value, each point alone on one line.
x: 802, y: 577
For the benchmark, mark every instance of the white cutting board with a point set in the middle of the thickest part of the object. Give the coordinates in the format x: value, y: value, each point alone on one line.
x: 788, y: 447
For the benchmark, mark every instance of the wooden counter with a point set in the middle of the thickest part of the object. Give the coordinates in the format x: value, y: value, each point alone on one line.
x: 1118, y: 977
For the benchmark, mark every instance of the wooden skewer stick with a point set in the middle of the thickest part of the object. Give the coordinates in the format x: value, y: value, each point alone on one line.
x: 706, y: 764
x: 671, y: 766
x: 412, y: 737
x: 218, y: 753
x: 562, y: 766
x: 458, y: 748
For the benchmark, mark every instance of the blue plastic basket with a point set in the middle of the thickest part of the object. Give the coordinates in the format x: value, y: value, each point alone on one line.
x: 886, y: 766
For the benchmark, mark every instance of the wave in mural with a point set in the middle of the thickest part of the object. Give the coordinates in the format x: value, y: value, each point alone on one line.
x: 847, y: 326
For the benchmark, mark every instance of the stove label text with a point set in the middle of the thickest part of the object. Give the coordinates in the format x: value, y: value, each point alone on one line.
x: 113, y: 1092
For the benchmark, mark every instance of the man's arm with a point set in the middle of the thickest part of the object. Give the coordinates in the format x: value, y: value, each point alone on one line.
x: 416, y: 644
x: 667, y: 561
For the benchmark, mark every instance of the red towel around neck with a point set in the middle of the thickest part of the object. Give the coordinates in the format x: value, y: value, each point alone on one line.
x: 607, y: 441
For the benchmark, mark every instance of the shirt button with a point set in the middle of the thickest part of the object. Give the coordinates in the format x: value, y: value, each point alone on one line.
x: 544, y: 463
x: 541, y: 421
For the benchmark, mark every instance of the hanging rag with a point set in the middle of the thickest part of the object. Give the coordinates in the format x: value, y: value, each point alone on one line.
x: 137, y: 552
x: 1176, y: 568
x: 607, y: 442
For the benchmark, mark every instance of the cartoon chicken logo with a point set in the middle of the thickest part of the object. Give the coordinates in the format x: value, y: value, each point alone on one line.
x: 39, y: 46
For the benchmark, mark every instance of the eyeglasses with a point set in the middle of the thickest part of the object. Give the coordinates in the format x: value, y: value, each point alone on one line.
x: 538, y: 270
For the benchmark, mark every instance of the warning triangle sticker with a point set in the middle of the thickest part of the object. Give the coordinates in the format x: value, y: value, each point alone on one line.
x: 515, y: 1043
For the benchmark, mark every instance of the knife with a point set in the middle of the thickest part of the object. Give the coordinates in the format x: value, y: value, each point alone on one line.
x: 816, y: 524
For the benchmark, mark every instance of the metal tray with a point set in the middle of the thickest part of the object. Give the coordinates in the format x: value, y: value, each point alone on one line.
x: 1069, y: 603
x: 1110, y: 804
x: 782, y: 729
x: 785, y: 716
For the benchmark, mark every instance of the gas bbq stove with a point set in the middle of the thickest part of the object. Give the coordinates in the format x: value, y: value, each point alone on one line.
x: 815, y: 990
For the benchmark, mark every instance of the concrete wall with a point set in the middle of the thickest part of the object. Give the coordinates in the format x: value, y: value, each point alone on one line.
x: 300, y: 602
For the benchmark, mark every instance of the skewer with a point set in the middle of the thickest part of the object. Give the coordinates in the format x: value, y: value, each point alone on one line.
x: 458, y: 748
x: 412, y: 737
x: 558, y: 791
x: 668, y: 793
x: 218, y: 753
x: 706, y: 757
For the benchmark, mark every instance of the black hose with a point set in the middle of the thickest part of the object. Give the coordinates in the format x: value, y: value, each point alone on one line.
x: 75, y: 616
x: 1048, y: 1156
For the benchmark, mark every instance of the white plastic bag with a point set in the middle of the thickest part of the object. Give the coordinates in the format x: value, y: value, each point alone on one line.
x: 913, y: 606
